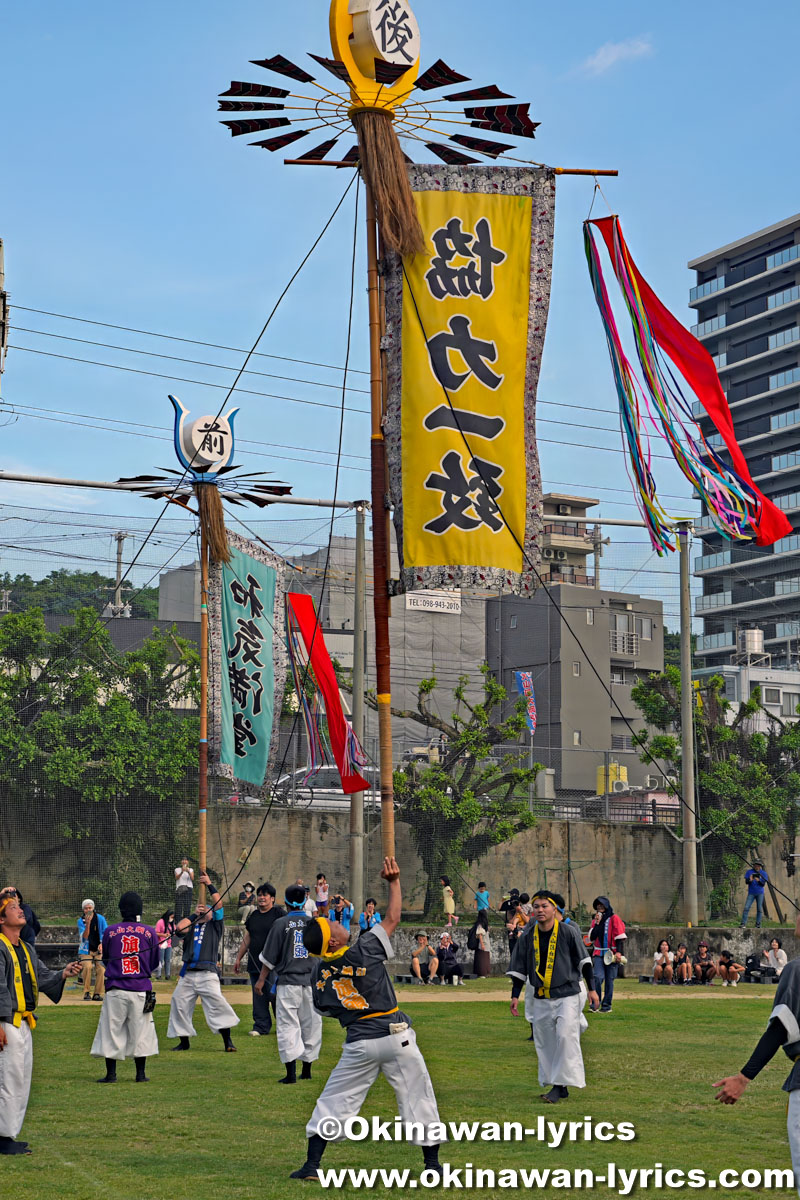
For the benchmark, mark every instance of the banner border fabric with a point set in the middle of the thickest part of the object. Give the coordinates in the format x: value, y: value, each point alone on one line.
x: 215, y: 676
x: 539, y: 183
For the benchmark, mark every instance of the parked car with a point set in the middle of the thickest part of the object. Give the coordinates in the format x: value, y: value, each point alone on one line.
x: 323, y: 789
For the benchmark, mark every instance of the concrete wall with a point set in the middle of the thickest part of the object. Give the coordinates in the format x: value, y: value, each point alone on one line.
x: 638, y: 867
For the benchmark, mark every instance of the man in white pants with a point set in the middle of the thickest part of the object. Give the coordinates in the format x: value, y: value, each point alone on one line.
x: 22, y: 977
x: 551, y: 961
x: 783, y: 1031
x: 199, y: 978
x: 298, y: 1027
x: 530, y: 992
x: 353, y: 985
x: 126, y: 1028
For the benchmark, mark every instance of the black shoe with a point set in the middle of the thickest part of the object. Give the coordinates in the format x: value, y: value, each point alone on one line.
x: 557, y: 1092
x: 142, y: 1079
x: 96, y: 996
x: 306, y: 1071
x: 308, y: 1170
x: 9, y: 1146
x: 230, y: 1048
x: 531, y: 1038
x: 107, y: 1079
x: 183, y: 1044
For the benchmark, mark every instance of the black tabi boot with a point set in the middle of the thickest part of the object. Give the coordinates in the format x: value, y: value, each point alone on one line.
x: 316, y: 1148
x: 111, y: 1072
x: 306, y: 1071
x: 556, y: 1093
x: 431, y: 1157
x: 291, y: 1073
x: 141, y: 1063
x: 183, y: 1044
x: 226, y: 1041
x: 9, y: 1146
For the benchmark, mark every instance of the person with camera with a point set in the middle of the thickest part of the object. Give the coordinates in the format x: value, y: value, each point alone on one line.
x: 22, y: 977
x: 756, y: 879
x: 342, y: 911
x: 91, y: 927
x: 424, y: 960
x: 130, y: 957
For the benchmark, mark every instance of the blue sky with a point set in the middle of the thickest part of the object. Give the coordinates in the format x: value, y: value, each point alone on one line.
x: 124, y: 201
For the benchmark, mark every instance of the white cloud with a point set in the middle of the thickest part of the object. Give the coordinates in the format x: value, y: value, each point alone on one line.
x: 611, y: 54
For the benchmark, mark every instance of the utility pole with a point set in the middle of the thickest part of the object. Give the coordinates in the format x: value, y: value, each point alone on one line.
x: 598, y: 541
x: 117, y: 608
x: 359, y: 639
x: 687, y: 733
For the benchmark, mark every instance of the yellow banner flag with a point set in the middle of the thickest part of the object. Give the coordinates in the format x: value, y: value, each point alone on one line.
x: 466, y: 323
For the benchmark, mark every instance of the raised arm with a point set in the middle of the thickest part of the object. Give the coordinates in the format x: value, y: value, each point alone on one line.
x: 391, y: 873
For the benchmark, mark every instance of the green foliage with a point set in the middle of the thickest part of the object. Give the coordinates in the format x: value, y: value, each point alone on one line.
x: 746, y: 777
x: 476, y: 795
x: 93, y: 753
x: 672, y: 648
x: 63, y: 591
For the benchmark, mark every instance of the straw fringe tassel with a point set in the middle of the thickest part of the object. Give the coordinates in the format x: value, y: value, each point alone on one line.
x: 212, y: 519
x: 386, y: 174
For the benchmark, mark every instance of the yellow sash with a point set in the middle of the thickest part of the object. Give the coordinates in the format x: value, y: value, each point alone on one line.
x: 22, y: 1013
x: 543, y: 992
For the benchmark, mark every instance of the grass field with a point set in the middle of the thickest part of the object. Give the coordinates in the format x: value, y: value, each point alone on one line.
x: 217, y: 1127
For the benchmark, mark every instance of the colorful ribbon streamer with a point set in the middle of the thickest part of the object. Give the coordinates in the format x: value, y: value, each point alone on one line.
x: 303, y: 626
x: 735, y: 505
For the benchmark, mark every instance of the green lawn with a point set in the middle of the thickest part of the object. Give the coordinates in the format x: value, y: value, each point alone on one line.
x: 219, y: 1127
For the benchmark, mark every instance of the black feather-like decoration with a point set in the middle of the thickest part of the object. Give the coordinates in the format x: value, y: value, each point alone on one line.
x: 492, y: 92
x: 439, y: 75
x: 284, y: 139
x: 333, y: 65
x: 283, y: 66
x: 480, y: 144
x: 352, y: 155
x: 319, y: 152
x: 257, y: 125
x: 248, y: 106
x: 238, y: 88
x: 453, y: 158
x: 386, y: 72
x: 505, y: 118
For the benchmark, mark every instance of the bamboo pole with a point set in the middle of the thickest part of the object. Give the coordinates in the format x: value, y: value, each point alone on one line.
x: 380, y: 542
x: 202, y: 751
x: 332, y: 162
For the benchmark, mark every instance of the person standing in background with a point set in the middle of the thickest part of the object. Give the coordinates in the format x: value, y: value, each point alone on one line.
x: 448, y: 900
x: 608, y: 934
x: 481, y: 965
x: 756, y: 879
x: 91, y: 927
x: 184, y: 886
x: 482, y: 898
x: 256, y: 931
x: 165, y: 927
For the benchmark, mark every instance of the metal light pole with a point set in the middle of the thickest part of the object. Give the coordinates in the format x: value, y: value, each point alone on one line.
x: 687, y: 733
x: 357, y: 799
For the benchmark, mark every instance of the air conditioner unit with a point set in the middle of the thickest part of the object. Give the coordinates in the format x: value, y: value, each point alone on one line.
x: 564, y: 510
x: 619, y: 785
x: 561, y: 555
x: 548, y: 553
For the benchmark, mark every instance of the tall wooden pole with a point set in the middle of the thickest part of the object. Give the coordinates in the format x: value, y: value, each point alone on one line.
x: 356, y: 890
x: 380, y: 539
x: 202, y: 755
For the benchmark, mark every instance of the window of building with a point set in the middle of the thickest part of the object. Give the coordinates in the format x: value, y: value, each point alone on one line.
x: 576, y: 669
x: 621, y: 622
x: 576, y: 737
x: 513, y: 622
x: 617, y: 675
x: 621, y: 741
x: 771, y: 695
x: 497, y: 624
x: 644, y: 628
x: 590, y: 616
x: 790, y: 702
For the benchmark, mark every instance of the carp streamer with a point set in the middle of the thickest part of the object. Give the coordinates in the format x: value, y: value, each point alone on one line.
x: 735, y: 505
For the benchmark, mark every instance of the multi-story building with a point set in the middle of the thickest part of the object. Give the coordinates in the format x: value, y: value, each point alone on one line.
x: 566, y: 543
x: 747, y: 301
x: 580, y: 732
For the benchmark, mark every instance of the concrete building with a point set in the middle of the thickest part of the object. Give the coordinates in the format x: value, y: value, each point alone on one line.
x: 566, y: 544
x: 747, y: 301
x: 579, y: 734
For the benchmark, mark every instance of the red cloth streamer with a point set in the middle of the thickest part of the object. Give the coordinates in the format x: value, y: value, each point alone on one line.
x: 302, y: 607
x: 695, y: 364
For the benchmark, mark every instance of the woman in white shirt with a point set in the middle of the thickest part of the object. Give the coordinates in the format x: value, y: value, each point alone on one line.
x: 184, y: 883
x: 662, y: 963
x: 774, y: 958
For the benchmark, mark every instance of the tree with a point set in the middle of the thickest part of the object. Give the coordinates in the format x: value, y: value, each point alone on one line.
x: 94, y: 756
x: 62, y: 591
x: 747, y: 773
x: 476, y: 795
x: 672, y: 648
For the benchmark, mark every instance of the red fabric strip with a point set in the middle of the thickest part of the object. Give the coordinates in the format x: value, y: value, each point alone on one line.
x: 694, y: 363
x: 305, y: 614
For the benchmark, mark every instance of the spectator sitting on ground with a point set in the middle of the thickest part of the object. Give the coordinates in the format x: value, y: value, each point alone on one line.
x: 247, y: 901
x: 729, y: 969
x: 451, y: 969
x: 370, y: 916
x: 681, y: 966
x: 424, y: 963
x: 663, y: 963
x: 773, y: 958
x: 703, y: 964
